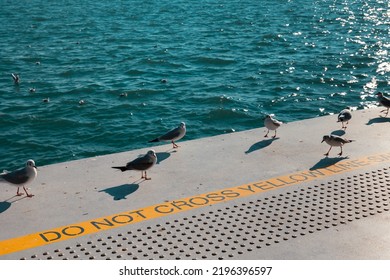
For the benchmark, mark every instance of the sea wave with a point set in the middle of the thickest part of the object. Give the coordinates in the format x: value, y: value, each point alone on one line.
x: 220, y: 67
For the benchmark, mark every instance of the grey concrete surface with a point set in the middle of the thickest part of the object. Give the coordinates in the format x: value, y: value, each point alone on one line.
x: 76, y: 191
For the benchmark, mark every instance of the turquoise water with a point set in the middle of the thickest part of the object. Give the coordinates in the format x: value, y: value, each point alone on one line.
x: 225, y: 64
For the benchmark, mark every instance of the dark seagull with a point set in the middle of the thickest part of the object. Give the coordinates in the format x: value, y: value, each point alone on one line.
x: 385, y: 101
x: 335, y: 141
x: 172, y: 135
x: 142, y: 164
x: 21, y: 177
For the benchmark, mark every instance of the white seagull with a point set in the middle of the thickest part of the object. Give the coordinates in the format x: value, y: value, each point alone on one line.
x: 344, y: 117
x: 271, y: 124
x: 21, y: 177
x: 335, y: 141
x: 142, y: 164
x: 173, y: 135
x: 385, y: 101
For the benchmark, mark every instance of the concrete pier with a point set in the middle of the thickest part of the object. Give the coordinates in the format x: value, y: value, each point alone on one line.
x: 232, y: 196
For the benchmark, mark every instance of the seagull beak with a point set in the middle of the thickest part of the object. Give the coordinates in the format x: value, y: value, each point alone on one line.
x: 322, y: 140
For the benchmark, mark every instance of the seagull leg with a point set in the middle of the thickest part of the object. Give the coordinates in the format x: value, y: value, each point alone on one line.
x: 267, y: 133
x: 18, y: 193
x: 274, y: 135
x: 175, y: 145
x: 341, y: 147
x: 28, y: 195
x: 327, y: 154
x: 387, y: 112
x: 145, y: 177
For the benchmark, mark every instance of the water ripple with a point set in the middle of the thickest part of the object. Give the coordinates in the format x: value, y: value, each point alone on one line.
x: 220, y: 67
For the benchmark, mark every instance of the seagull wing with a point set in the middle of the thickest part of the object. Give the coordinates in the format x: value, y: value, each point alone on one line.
x: 276, y: 122
x: 171, y: 135
x: 141, y: 163
x: 385, y: 101
x: 16, y: 177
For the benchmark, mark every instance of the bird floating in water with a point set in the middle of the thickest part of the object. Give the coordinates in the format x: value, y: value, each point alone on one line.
x: 142, y: 164
x: 335, y: 141
x: 271, y: 124
x: 385, y: 101
x: 21, y: 177
x: 344, y: 117
x: 16, y: 78
x: 173, y: 135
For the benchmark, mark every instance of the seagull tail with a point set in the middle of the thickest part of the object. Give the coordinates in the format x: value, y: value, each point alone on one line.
x: 121, y: 168
x: 154, y: 140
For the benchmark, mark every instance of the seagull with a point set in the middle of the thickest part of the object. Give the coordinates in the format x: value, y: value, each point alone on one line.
x: 344, y: 116
x: 142, y: 164
x: 21, y: 177
x: 173, y: 135
x: 16, y: 78
x: 335, y: 141
x: 271, y: 124
x: 385, y: 101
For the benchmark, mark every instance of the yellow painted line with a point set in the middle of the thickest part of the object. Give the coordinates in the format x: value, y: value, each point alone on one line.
x: 167, y: 208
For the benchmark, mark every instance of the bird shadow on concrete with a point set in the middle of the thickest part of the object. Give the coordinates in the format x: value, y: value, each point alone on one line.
x: 339, y: 132
x: 162, y: 156
x: 378, y: 120
x: 327, y: 161
x: 122, y: 191
x: 261, y: 145
x: 4, y: 205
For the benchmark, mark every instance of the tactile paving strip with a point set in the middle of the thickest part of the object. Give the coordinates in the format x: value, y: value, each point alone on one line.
x: 227, y: 232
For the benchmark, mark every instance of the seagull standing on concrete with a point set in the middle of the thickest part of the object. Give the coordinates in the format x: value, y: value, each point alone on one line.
x: 173, y: 135
x: 271, y: 124
x: 21, y: 177
x: 142, y: 164
x: 385, y: 101
x: 344, y: 117
x: 335, y: 141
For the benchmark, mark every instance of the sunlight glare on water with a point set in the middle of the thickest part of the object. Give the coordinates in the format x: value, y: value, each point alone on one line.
x: 142, y: 67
